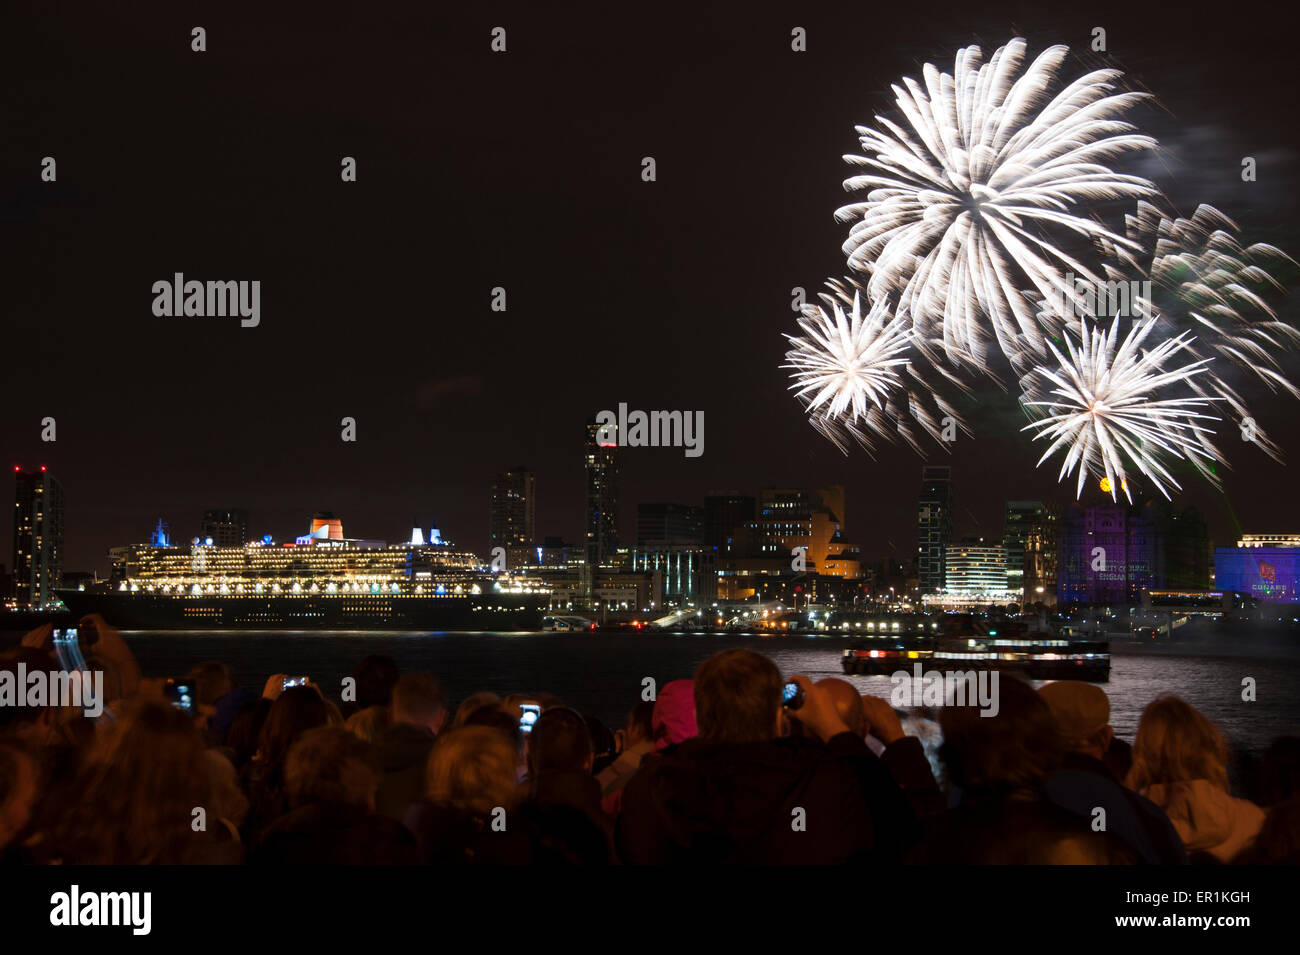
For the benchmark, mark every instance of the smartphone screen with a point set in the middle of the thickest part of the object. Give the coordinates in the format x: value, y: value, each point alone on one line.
x: 68, y: 651
x: 294, y: 681
x: 528, y: 713
x: 792, y: 696
x: 181, y: 694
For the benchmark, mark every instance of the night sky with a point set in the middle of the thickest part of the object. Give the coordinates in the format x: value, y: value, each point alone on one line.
x: 520, y: 170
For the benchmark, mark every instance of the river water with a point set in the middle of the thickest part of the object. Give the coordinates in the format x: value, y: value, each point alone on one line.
x: 602, y: 674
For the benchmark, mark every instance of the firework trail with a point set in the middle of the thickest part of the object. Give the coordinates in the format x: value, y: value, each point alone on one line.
x: 1205, y: 282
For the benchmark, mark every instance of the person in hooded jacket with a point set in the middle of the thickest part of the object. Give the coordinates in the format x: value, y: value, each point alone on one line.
x: 672, y: 721
x: 742, y: 793
x: 1180, y: 764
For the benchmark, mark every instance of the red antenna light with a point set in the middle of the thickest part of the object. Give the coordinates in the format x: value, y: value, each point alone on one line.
x: 42, y: 467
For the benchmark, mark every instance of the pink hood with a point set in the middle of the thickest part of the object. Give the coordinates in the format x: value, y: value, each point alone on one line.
x: 674, y: 715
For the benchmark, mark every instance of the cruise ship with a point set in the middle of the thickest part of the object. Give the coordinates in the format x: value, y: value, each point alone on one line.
x: 319, y: 582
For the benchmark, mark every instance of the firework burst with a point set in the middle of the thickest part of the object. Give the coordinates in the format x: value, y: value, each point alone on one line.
x: 845, y: 363
x: 973, y: 191
x: 1108, y: 402
x: 857, y: 379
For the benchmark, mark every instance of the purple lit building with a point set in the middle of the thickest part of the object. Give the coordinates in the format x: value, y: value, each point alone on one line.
x: 1107, y: 555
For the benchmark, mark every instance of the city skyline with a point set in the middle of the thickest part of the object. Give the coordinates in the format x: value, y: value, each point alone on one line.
x: 631, y: 513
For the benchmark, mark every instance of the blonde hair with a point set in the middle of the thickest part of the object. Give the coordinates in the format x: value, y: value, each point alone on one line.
x: 1176, y: 744
x: 472, y: 769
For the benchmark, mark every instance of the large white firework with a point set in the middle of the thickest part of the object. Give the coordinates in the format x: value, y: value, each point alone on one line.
x: 1109, y: 405
x: 976, y: 192
x: 846, y: 363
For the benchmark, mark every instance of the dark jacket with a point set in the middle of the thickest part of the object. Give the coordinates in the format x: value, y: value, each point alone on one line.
x: 565, y: 820
x: 1016, y: 828
x: 787, y: 801
x: 1084, y: 784
x: 401, y: 752
x: 447, y: 836
x: 334, y: 835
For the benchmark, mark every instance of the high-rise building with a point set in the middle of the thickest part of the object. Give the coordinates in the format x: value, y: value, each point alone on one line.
x: 601, y: 462
x: 513, y: 521
x: 663, y: 522
x: 1026, y: 520
x: 724, y: 512
x: 934, y: 526
x: 1042, y: 554
x: 38, y: 539
x: 1183, y: 548
x: 225, y: 528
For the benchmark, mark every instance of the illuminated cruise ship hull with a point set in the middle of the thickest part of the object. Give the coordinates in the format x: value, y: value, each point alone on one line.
x: 143, y: 611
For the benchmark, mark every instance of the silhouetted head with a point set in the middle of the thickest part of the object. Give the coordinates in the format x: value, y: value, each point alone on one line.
x: 472, y: 769
x: 294, y: 712
x: 418, y: 698
x: 330, y: 766
x: 472, y: 703
x: 1176, y: 744
x: 376, y: 676
x: 1016, y: 749
x: 738, y: 697
x: 560, y: 743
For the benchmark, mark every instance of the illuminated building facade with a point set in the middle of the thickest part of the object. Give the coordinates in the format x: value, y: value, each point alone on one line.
x: 975, y: 567
x: 38, y: 540
x: 1108, y: 555
x: 790, y: 518
x: 1263, y: 566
